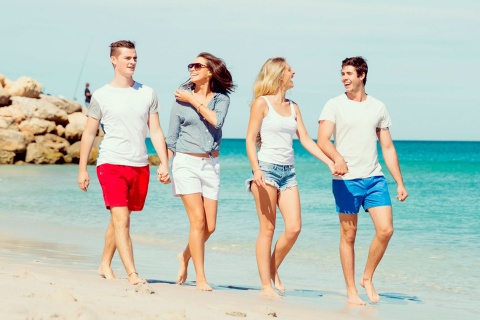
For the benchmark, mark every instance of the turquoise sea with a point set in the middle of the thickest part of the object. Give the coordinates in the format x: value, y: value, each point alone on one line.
x: 431, y: 268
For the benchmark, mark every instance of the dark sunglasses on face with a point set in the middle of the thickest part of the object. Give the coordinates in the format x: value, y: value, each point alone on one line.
x: 196, y: 66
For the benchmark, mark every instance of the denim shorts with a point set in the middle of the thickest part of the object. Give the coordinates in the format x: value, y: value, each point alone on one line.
x: 368, y: 192
x: 279, y: 176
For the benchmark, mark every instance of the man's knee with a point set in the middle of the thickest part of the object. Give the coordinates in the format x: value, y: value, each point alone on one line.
x: 293, y: 232
x: 349, y: 235
x: 385, y: 234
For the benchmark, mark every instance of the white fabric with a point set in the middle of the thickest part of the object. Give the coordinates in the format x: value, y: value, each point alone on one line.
x: 277, y: 133
x: 195, y: 175
x: 355, y: 133
x: 123, y: 113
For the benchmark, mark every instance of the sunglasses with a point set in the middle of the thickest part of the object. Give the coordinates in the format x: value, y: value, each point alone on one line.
x: 196, y: 66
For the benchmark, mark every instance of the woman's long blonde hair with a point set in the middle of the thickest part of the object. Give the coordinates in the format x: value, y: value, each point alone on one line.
x: 269, y: 81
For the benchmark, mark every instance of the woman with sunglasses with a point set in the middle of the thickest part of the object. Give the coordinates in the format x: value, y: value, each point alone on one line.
x: 273, y: 122
x: 193, y: 139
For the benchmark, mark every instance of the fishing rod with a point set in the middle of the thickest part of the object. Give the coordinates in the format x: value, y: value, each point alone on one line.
x: 81, y: 70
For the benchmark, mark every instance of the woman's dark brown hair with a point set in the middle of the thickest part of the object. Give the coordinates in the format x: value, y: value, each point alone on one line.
x: 221, y: 78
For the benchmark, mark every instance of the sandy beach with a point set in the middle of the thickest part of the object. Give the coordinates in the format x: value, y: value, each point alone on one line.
x: 43, y: 278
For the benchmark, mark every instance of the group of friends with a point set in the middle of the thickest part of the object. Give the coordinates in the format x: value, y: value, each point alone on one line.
x: 126, y: 110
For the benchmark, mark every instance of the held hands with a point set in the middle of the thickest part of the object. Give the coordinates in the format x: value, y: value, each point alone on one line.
x: 162, y: 174
x: 183, y: 95
x: 402, y: 193
x: 340, y: 167
x: 83, y: 180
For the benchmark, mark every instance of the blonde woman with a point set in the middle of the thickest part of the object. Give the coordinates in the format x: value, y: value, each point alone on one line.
x: 273, y: 122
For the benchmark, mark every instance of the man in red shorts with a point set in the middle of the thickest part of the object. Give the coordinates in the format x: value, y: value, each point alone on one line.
x: 126, y: 110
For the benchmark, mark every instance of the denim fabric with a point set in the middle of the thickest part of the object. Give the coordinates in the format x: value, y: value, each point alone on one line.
x: 280, y: 176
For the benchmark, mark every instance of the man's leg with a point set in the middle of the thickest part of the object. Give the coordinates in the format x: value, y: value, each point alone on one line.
x: 383, y: 221
x: 121, y: 226
x: 348, y: 231
x: 105, y: 269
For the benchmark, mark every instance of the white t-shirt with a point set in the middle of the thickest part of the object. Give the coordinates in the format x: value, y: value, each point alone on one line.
x: 355, y: 133
x: 277, y: 132
x: 123, y: 114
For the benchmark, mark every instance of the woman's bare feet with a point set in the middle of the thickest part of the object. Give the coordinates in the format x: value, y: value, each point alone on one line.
x: 277, y: 283
x: 268, y: 292
x: 371, y: 293
x: 106, y: 272
x: 134, y: 279
x: 182, y: 270
x: 203, y: 286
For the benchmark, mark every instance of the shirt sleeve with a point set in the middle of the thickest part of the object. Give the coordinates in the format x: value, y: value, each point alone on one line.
x: 154, y: 105
x: 385, y: 120
x: 221, y: 108
x: 173, y: 129
x: 94, y: 110
x: 328, y: 112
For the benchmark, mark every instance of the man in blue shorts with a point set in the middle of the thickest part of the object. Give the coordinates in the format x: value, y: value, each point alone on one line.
x: 356, y: 121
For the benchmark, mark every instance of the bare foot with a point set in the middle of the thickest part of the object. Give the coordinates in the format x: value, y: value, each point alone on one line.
x: 203, y: 286
x: 106, y: 272
x: 277, y: 283
x: 269, y: 293
x: 353, y: 298
x: 371, y: 293
x: 182, y: 270
x: 134, y: 279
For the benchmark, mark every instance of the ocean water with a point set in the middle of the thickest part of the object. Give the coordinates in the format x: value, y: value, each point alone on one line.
x: 431, y: 268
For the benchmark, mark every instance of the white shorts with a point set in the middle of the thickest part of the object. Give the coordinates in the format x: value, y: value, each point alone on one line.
x: 195, y: 175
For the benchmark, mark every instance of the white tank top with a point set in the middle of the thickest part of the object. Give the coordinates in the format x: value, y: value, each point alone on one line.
x: 277, y: 133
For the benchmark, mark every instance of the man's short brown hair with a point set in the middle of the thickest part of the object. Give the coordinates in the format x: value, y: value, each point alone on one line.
x: 114, y: 46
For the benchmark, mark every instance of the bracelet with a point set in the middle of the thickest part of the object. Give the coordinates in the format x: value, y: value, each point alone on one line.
x: 198, y: 109
x: 253, y: 171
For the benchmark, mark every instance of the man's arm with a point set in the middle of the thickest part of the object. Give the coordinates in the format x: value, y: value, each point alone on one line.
x: 325, y: 130
x: 391, y: 160
x: 158, y: 141
x: 86, y: 144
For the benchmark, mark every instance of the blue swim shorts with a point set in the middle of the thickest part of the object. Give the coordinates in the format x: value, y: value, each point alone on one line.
x: 281, y: 177
x: 368, y: 192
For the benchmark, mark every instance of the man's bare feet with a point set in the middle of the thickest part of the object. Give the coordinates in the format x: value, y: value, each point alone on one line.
x: 182, y: 270
x: 134, y: 279
x: 371, y: 293
x: 277, y: 283
x: 106, y: 272
x: 203, y: 286
x: 269, y: 293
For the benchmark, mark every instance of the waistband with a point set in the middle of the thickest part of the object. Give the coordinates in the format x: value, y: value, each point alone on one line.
x: 214, y: 154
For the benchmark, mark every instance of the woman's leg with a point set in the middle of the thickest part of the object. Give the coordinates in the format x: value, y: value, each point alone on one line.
x: 289, y: 205
x: 196, y: 214
x: 210, y: 207
x: 266, y: 203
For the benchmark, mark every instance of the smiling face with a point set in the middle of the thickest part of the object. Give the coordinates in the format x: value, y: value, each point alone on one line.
x: 351, y: 81
x: 124, y: 61
x: 202, y: 75
x: 288, y: 74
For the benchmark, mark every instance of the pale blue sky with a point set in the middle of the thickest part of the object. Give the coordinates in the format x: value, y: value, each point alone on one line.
x: 422, y: 55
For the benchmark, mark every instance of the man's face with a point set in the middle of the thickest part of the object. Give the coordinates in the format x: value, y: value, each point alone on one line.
x: 351, y: 81
x: 125, y: 61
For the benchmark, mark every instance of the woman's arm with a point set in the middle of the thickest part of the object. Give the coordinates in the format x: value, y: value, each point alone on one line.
x: 308, y: 143
x: 258, y: 111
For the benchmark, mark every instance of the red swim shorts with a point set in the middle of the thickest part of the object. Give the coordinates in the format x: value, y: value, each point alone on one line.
x: 124, y: 186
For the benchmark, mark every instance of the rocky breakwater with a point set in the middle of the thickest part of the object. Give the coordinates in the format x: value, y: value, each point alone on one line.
x: 38, y: 128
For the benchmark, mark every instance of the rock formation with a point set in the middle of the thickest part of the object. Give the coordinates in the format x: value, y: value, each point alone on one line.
x: 38, y: 128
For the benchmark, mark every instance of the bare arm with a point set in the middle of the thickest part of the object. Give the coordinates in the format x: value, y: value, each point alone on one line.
x: 158, y: 141
x: 86, y: 144
x: 325, y: 130
x: 308, y: 143
x: 257, y: 113
x: 391, y: 160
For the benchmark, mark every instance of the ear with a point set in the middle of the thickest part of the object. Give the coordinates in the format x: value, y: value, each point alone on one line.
x: 113, y: 59
x: 362, y: 76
